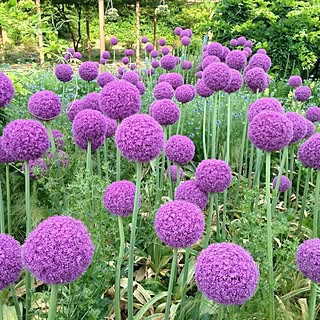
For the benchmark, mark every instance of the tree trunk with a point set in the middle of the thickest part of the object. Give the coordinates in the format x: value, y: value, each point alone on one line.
x: 40, y: 37
x: 88, y: 31
x: 137, y: 31
x: 101, y: 26
x: 155, y: 30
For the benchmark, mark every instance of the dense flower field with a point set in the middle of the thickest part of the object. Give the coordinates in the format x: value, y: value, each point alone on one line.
x: 186, y: 187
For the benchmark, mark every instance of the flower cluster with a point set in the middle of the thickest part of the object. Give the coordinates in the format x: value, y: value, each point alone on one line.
x: 104, y: 78
x: 6, y: 90
x: 64, y: 72
x: 180, y: 149
x: 285, y: 183
x: 165, y: 111
x: 264, y: 104
x: 299, y: 126
x: 185, y: 93
x: 236, y: 59
x: 173, y: 173
x: 88, y: 71
x: 217, y: 76
x: 303, y: 93
x: 308, y: 152
x: 175, y: 79
x: 163, y: 90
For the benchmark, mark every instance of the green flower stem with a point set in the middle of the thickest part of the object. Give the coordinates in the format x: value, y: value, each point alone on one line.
x: 298, y: 184
x: 250, y: 164
x: 99, y: 164
x: 227, y: 156
x: 133, y: 239
x: 312, y: 301
x: 8, y: 192
x: 1, y: 310
x: 224, y: 215
x: 178, y: 176
x: 205, y: 154
x: 256, y: 182
x: 2, y: 223
x: 169, y: 179
x: 171, y: 281
x: 158, y: 191
x: 214, y: 127
x: 63, y: 94
x: 53, y: 145
x: 53, y: 302
x: 286, y: 193
x: 181, y: 119
x: 89, y: 168
x: 269, y: 240
x: 163, y: 160
x: 291, y: 165
x: 16, y: 302
x: 185, y: 275
x: 304, y: 198
x: 118, y: 161
x: 209, y: 116
x: 209, y: 222
x: 220, y: 312
x: 118, y: 272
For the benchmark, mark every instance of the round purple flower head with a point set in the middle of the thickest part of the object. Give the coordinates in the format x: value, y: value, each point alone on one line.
x: 122, y: 70
x: 303, y: 93
x: 106, y: 55
x: 104, y: 78
x: 203, y: 90
x: 260, y: 60
x: 247, y: 51
x: 67, y: 56
x: 141, y: 87
x: 63, y: 158
x: 299, y: 126
x: 131, y: 76
x: 165, y: 111
x: 139, y: 138
x: 165, y: 50
x: 125, y: 60
x: 168, y: 62
x: 77, y: 55
x: 66, y: 250
x: 133, y: 66
x: 225, y: 52
x: 173, y: 173
x: 270, y: 131
x: 88, y: 125
x: 162, y: 42
x: 189, y: 191
x: 262, y: 51
x: 285, y: 183
x: 185, y: 93
x: 310, y: 128
x: 184, y: 33
x: 154, y: 53
x: 208, y: 60
x: 185, y: 41
x: 113, y: 41
x: 235, y: 83
x: 163, y: 90
x: 186, y: 65
x: 103, y: 61
x: 226, y: 274
x: 241, y: 41
x: 264, y: 104
x: 236, y: 59
x: 37, y: 168
x: 295, y: 81
x: 71, y: 50
x: 248, y: 44
x: 88, y: 71
x: 64, y: 72
x: 179, y: 224
x: 313, y: 114
x: 5, y: 157
x: 199, y: 75
x: 177, y: 31
x: 25, y: 140
x: 307, y: 259
x: 111, y: 127
x: 189, y: 32
x: 144, y: 39
x: 309, y: 152
x: 129, y: 52
x: 256, y: 79
x: 92, y: 101
x: 11, y: 261
x: 233, y: 43
x: 120, y: 99
x: 149, y: 47
x: 215, y: 49
x: 155, y: 64
x: 118, y: 198
x: 217, y: 76
x: 180, y: 149
x: 175, y: 79
x: 213, y: 175
x: 44, y: 105
x: 73, y: 108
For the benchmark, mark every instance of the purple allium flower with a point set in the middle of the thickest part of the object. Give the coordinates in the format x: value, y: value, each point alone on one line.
x: 139, y: 138
x: 186, y: 65
x: 262, y: 51
x: 168, y: 62
x: 215, y: 49
x: 67, y: 57
x: 233, y: 43
x: 217, y: 76
x: 185, y: 93
x: 270, y: 131
x: 104, y: 78
x: 122, y: 70
x: 163, y: 90
x: 179, y: 224
x: 299, y: 126
x: 5, y: 157
x: 173, y: 173
x: 184, y: 33
x: 58, y: 139
x: 285, y: 183
x: 261, y: 61
x: 144, y: 39
x: 248, y: 44
x: 175, y: 79
x: 64, y: 72
x: 131, y: 76
x: 88, y: 71
x: 129, y: 52
x: 199, y: 75
x: 235, y: 83
x: 118, y: 198
x: 203, y: 90
x: 303, y: 93
x: 77, y: 55
x: 154, y: 53
x: 11, y: 261
x: 71, y: 51
x: 155, y: 64
x: 256, y: 79
x: 180, y: 149
x: 63, y: 158
x: 133, y: 66
x: 37, y: 168
x: 313, y: 114
x: 6, y: 90
x: 111, y: 127
x: 125, y: 60
x: 165, y: 50
x: 113, y: 41
x: 225, y: 52
x: 141, y: 87
x: 264, y: 104
x: 247, y: 51
x: 208, y: 60
x: 103, y: 61
x: 189, y: 31
x: 92, y: 101
x: 236, y: 59
x: 241, y: 41
x: 88, y: 125
x: 308, y: 152
x: 226, y: 274
x: 213, y: 175
x: 106, y: 55
x: 165, y: 111
x: 25, y: 140
x: 149, y: 47
x: 307, y: 259
x: 58, y: 250
x: 177, y: 31
x: 73, y: 108
x: 295, y: 81
x: 44, y: 105
x: 185, y: 41
x: 189, y: 191
x: 149, y: 72
x: 311, y: 129
x: 162, y: 42
x: 120, y: 99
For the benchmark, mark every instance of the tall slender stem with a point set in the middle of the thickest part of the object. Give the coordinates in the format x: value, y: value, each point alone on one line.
x: 224, y: 215
x: 214, y: 127
x: 158, y: 191
x: 1, y: 310
x: 89, y: 169
x: 209, y: 222
x: 250, y: 164
x: 304, y: 198
x: 220, y: 312
x: 15, y: 301
x: 185, y: 275
x: 133, y: 239
x: 171, y: 281
x: 53, y: 145
x: 2, y: 223
x: 298, y: 185
x: 178, y: 175
x: 53, y: 302
x: 118, y: 162
x: 8, y: 192
x: 227, y: 156
x: 99, y: 164
x: 205, y: 154
x: 163, y: 160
